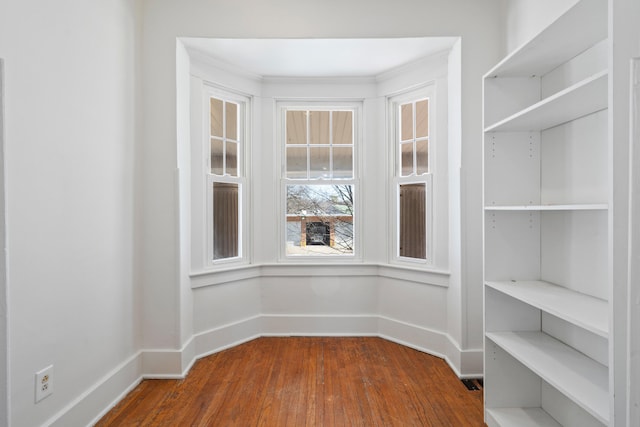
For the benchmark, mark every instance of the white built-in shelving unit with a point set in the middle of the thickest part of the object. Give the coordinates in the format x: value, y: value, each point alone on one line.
x: 546, y: 220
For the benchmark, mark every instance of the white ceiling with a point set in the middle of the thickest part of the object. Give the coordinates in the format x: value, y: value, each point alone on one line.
x: 318, y: 57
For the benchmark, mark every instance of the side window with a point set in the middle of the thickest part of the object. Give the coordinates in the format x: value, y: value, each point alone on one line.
x: 412, y: 175
x: 319, y: 181
x: 225, y: 177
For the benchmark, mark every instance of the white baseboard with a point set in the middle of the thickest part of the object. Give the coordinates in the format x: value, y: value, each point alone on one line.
x: 103, y: 396
x: 175, y: 364
x: 410, y: 335
x: 318, y: 325
x: 465, y: 363
x: 226, y: 336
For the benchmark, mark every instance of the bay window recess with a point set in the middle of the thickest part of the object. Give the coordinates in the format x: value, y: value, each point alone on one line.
x: 318, y: 181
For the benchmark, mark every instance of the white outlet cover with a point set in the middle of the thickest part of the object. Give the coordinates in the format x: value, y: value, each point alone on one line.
x: 44, y: 383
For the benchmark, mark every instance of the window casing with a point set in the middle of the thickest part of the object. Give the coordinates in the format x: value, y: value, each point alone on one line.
x: 226, y: 126
x: 412, y: 127
x: 319, y: 179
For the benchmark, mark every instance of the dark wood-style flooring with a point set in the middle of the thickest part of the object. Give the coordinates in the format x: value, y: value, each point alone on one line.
x: 306, y: 381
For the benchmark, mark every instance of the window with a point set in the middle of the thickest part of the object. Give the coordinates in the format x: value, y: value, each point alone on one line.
x: 412, y: 174
x: 225, y: 178
x: 319, y: 181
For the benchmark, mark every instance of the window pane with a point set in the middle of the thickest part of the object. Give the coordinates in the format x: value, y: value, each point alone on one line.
x: 343, y: 162
x: 406, y: 159
x: 296, y: 127
x: 422, y: 119
x: 323, y: 215
x: 232, y: 158
x: 342, y: 127
x: 225, y: 220
x: 216, y: 117
x: 319, y: 161
x: 319, y: 127
x: 422, y: 157
x: 406, y: 122
x: 296, y: 162
x: 216, y: 156
x: 232, y: 120
x: 413, y: 235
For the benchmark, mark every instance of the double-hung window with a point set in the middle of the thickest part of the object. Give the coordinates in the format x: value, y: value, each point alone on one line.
x: 225, y: 176
x: 412, y: 177
x: 319, y: 179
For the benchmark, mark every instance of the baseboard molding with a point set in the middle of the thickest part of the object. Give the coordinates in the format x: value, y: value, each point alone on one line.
x: 465, y: 363
x: 175, y: 364
x: 413, y: 336
x: 226, y: 336
x: 101, y: 397
x: 162, y: 364
x: 318, y: 325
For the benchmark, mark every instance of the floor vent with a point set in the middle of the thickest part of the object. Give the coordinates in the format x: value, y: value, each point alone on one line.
x: 473, y: 384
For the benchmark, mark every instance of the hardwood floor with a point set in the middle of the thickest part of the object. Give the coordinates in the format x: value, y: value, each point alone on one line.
x: 306, y: 381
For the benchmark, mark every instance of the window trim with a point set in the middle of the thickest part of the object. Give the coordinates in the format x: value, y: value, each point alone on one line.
x: 315, y: 104
x: 425, y: 91
x: 242, y: 179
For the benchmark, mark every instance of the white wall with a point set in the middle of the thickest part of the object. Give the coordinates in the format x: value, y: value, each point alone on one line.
x: 634, y: 249
x: 624, y: 38
x: 4, y: 315
x: 71, y: 127
x: 526, y: 18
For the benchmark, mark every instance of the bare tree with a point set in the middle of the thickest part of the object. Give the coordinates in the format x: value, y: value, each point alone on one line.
x: 332, y: 205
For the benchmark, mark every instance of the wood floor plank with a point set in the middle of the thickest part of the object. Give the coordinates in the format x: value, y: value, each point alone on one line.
x: 306, y: 381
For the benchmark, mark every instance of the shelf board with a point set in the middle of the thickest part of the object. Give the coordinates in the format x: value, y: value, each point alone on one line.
x: 578, y: 377
x: 522, y: 417
x: 555, y: 44
x: 573, y: 207
x: 581, y: 99
x: 585, y: 311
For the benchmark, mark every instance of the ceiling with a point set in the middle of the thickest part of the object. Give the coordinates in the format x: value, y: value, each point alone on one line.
x: 318, y: 57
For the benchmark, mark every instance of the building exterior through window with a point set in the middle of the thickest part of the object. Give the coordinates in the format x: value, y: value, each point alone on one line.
x: 319, y: 181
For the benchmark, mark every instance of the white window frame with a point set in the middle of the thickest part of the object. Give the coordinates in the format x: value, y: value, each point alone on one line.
x: 356, y: 106
x: 394, y: 102
x: 243, y: 153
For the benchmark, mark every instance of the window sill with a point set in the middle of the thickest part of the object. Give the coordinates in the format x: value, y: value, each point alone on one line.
x: 426, y: 276
x: 219, y: 276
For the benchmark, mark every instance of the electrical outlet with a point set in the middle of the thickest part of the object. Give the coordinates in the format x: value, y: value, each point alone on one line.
x: 44, y: 383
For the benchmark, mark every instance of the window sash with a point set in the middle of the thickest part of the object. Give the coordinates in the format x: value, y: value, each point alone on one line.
x: 411, y: 164
x: 316, y: 144
x: 337, y: 141
x: 225, y: 211
x: 427, y: 230
x: 319, y: 204
x: 412, y: 135
x: 412, y: 220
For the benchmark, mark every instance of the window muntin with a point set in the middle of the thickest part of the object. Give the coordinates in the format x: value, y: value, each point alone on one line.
x: 319, y: 144
x: 412, y: 176
x: 319, y: 183
x: 224, y: 137
x: 225, y: 178
x: 414, y: 137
